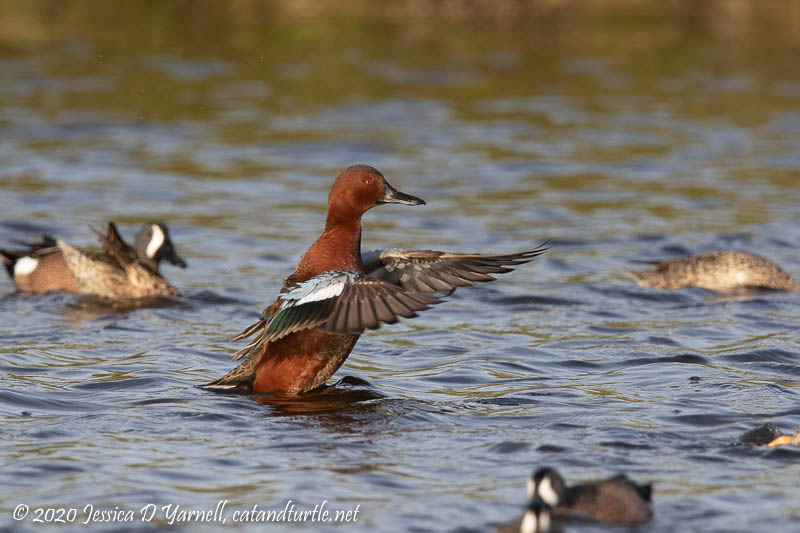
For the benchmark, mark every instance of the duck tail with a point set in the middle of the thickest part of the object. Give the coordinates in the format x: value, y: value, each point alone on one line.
x: 46, y: 241
x: 9, y: 258
x: 645, y: 278
x: 645, y: 491
x: 240, y: 379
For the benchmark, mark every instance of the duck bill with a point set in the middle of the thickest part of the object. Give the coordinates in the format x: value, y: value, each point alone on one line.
x: 393, y: 196
x: 174, y: 258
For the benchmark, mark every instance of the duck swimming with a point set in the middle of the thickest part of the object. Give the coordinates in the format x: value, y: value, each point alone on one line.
x: 335, y: 292
x: 120, y: 272
x: 720, y: 270
x: 616, y: 500
x: 124, y: 272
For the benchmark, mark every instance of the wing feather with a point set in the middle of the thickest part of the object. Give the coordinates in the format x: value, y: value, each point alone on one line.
x: 336, y: 301
x: 397, y: 284
x: 252, y: 328
x: 430, y: 271
x: 382, y: 310
x: 354, y: 324
x: 366, y: 310
x: 398, y: 307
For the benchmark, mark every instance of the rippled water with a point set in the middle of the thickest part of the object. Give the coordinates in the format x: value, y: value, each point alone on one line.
x: 617, y: 138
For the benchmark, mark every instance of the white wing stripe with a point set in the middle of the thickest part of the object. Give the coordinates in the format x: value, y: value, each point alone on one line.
x: 323, y: 293
x: 323, y: 286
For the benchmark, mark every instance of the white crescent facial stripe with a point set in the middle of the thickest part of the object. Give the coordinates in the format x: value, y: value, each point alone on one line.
x: 25, y: 265
x: 155, y: 241
x: 546, y: 492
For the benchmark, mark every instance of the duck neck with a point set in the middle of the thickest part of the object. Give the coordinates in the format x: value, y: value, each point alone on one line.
x: 151, y: 264
x: 337, y: 248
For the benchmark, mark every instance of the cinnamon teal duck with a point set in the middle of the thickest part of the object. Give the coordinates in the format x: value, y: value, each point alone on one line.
x: 336, y: 293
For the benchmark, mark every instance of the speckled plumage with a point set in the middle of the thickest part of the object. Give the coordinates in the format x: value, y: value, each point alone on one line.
x: 720, y: 270
x: 119, y: 273
x: 50, y: 272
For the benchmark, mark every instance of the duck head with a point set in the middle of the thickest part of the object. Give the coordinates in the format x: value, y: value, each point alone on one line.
x: 360, y: 188
x: 547, y: 485
x: 154, y: 244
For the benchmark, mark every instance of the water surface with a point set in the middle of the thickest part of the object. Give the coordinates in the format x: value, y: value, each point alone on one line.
x: 617, y: 135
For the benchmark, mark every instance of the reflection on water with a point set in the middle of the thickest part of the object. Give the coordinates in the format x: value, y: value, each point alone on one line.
x: 349, y: 395
x: 83, y: 309
x: 618, y: 133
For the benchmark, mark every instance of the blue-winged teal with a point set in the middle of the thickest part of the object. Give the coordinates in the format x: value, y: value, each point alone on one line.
x: 120, y: 272
x: 615, y: 500
x: 334, y: 294
x: 720, y: 270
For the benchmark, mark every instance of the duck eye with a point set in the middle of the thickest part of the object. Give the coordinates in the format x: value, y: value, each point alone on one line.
x: 368, y: 181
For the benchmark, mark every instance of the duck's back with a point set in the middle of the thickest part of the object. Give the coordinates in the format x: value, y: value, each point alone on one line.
x: 94, y: 275
x: 115, y: 274
x: 718, y: 271
x: 617, y: 500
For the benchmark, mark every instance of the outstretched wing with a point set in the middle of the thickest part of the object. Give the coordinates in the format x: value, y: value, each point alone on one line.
x: 336, y: 301
x: 431, y: 271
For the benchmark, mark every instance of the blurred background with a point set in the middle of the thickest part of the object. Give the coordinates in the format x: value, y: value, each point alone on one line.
x: 617, y: 129
x: 675, y: 110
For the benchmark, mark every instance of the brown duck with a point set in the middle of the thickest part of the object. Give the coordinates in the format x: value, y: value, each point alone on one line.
x: 720, y: 270
x: 120, y: 272
x: 335, y: 293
